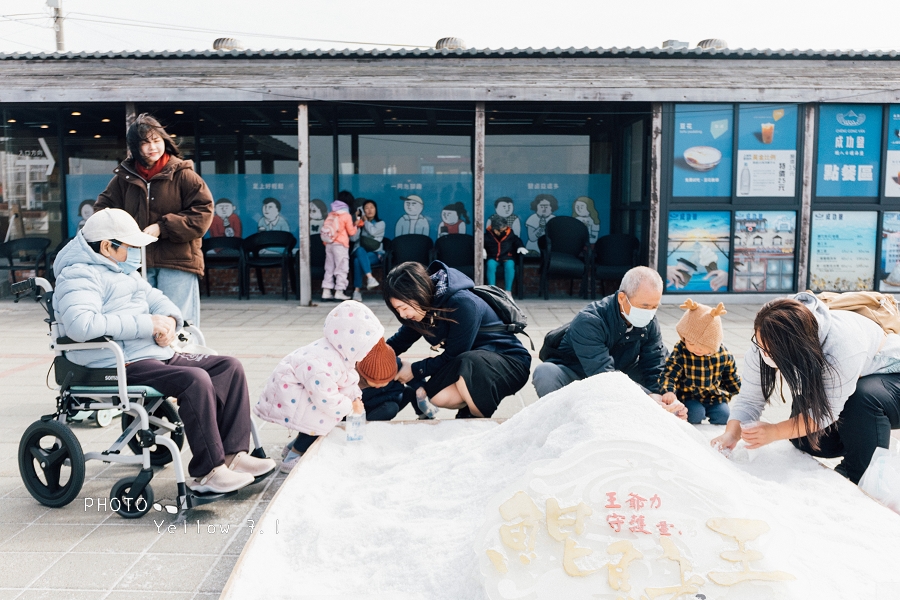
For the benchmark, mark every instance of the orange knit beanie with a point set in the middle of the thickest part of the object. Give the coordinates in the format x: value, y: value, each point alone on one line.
x: 379, y: 366
x: 700, y: 325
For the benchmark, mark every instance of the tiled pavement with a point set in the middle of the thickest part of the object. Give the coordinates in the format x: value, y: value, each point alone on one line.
x: 77, y: 552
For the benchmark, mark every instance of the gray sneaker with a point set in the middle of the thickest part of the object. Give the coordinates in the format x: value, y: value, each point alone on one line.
x: 357, y: 295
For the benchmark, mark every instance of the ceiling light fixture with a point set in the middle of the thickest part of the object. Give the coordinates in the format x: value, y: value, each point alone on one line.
x: 179, y: 112
x: 11, y: 121
x: 72, y: 131
x: 45, y: 127
x: 96, y: 136
x: 75, y: 113
x: 104, y: 120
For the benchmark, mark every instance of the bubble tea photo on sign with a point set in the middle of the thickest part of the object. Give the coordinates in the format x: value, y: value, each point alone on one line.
x: 768, y: 132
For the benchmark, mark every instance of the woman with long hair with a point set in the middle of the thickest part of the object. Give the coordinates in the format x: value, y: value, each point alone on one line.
x: 843, y: 375
x: 479, y: 365
x: 160, y: 189
x: 368, y: 247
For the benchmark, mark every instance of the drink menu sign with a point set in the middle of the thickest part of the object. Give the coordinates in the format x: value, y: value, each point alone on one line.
x: 767, y: 150
x: 892, y: 163
x: 703, y: 150
x: 849, y: 150
x: 842, y: 256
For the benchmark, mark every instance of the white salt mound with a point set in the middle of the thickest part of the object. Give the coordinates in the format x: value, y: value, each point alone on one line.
x: 400, y: 515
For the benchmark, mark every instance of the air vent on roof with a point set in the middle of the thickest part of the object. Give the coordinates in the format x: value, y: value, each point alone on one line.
x: 227, y: 44
x: 450, y: 43
x: 674, y: 44
x: 713, y: 43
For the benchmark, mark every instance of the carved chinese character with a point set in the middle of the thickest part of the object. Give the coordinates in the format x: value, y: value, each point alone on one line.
x: 520, y: 535
x: 618, y: 572
x: 743, y: 531
x: 688, y: 586
x: 556, y: 521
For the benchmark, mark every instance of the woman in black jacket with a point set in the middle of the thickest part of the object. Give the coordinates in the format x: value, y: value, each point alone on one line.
x: 477, y: 368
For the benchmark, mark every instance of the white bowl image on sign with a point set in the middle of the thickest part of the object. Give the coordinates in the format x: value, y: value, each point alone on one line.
x: 702, y: 158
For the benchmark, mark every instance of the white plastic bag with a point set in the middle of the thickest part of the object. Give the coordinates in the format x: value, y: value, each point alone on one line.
x: 882, y: 479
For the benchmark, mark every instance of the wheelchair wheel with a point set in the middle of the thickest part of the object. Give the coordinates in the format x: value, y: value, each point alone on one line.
x: 166, y: 412
x: 126, y: 504
x: 104, y: 417
x: 51, y: 463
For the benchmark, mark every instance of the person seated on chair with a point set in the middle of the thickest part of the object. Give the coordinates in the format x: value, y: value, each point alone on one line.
x: 617, y: 333
x: 98, y: 293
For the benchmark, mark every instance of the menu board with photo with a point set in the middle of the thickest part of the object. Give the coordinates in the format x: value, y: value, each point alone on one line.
x: 892, y: 159
x: 767, y: 150
x: 842, y: 252
x: 764, y: 244
x: 698, y: 250
x: 703, y: 150
x: 889, y: 274
x: 849, y: 150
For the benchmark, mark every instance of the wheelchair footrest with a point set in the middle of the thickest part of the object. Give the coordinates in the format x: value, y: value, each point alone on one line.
x: 196, y: 499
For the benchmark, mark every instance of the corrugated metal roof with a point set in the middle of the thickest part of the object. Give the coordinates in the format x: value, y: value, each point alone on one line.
x: 711, y: 53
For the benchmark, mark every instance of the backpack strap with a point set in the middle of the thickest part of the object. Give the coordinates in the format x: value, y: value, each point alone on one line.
x: 511, y: 328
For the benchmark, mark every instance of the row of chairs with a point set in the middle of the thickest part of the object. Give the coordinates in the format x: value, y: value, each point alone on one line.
x: 263, y: 250
x: 26, y: 254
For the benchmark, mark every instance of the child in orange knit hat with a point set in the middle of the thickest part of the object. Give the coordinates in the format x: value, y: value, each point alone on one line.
x: 700, y: 371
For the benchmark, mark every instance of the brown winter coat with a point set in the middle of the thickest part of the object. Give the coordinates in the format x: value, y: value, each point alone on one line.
x: 178, y: 201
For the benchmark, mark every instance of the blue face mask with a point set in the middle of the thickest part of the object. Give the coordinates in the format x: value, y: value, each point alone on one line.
x: 133, y: 262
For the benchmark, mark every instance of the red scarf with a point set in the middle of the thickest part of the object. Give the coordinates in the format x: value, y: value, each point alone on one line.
x: 148, y: 174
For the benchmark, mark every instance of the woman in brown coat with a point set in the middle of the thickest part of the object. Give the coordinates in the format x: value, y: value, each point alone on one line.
x: 160, y: 189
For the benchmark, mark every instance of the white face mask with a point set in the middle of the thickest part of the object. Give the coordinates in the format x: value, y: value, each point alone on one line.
x: 639, y: 317
x: 768, y: 360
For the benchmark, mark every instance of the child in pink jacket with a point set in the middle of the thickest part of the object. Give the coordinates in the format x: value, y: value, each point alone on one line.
x: 335, y: 233
x: 313, y: 388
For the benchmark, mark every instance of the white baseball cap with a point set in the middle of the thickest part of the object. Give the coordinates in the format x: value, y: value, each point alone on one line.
x: 115, y: 224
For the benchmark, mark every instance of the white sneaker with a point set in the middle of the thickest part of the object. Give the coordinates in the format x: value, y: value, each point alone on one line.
x: 326, y: 294
x: 429, y: 410
x: 287, y: 449
x: 357, y: 295
x: 289, y: 463
x: 340, y: 295
x: 220, y: 480
x: 371, y: 283
x: 242, y: 462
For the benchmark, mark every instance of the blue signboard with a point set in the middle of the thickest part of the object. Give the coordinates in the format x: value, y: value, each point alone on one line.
x: 81, y: 193
x: 767, y: 150
x: 849, y: 150
x: 703, y: 150
x: 842, y: 250
x: 698, y: 249
x: 892, y: 162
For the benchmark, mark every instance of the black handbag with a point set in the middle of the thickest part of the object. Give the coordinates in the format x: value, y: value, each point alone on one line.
x: 369, y: 244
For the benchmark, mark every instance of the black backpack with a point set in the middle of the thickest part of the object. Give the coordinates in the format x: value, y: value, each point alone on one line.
x: 514, y: 321
x: 552, y: 340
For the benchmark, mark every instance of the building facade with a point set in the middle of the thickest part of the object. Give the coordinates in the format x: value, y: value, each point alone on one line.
x: 739, y: 171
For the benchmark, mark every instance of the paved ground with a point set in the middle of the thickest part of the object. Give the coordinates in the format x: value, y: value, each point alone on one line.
x: 77, y: 552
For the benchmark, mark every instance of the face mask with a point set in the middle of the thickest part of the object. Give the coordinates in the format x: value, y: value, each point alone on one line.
x: 639, y: 317
x: 768, y: 360
x: 133, y: 262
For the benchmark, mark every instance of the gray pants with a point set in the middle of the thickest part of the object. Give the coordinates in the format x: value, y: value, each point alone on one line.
x: 182, y: 288
x: 549, y: 377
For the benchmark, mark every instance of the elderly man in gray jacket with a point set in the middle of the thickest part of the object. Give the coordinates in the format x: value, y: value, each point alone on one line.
x: 98, y: 293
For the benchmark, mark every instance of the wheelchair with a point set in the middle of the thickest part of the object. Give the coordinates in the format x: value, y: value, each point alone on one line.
x: 51, y: 459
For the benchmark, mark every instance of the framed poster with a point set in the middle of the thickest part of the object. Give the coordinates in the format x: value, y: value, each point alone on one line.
x: 842, y: 252
x: 892, y: 162
x: 767, y: 150
x: 698, y: 251
x: 764, y: 244
x: 849, y: 150
x: 701, y: 165
x: 889, y: 273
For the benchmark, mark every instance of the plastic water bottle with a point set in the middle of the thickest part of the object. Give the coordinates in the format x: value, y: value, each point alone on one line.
x: 356, y: 423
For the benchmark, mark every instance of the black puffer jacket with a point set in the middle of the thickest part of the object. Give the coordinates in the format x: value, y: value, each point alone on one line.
x: 598, y: 341
x: 501, y: 247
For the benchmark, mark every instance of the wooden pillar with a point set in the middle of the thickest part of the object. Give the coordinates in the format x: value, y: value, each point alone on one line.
x: 305, y: 281
x: 478, y: 193
x: 805, y: 221
x: 130, y: 114
x: 656, y: 162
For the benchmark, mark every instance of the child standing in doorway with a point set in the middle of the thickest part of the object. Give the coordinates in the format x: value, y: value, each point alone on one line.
x: 700, y: 371
x: 313, y: 388
x: 335, y: 233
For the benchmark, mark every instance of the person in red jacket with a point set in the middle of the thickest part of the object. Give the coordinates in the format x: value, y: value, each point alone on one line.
x: 501, y: 245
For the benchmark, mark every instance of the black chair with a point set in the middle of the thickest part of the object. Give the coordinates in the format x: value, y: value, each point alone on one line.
x: 221, y: 253
x: 411, y: 247
x: 565, y: 253
x: 457, y: 250
x: 25, y: 254
x: 268, y: 250
x: 51, y: 258
x: 614, y: 255
x: 316, y: 257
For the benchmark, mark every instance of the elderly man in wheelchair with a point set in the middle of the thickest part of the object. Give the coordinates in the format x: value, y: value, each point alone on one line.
x: 99, y: 294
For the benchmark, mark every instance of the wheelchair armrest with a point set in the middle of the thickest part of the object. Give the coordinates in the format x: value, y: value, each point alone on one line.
x: 62, y: 341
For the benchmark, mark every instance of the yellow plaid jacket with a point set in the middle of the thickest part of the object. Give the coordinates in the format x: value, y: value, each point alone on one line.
x: 710, y: 379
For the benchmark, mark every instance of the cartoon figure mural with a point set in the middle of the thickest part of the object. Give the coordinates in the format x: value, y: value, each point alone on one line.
x: 272, y: 219
x: 583, y: 210
x: 412, y: 221
x: 504, y: 207
x: 543, y: 205
x: 453, y: 219
x: 85, y: 210
x: 225, y: 222
x: 317, y: 213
